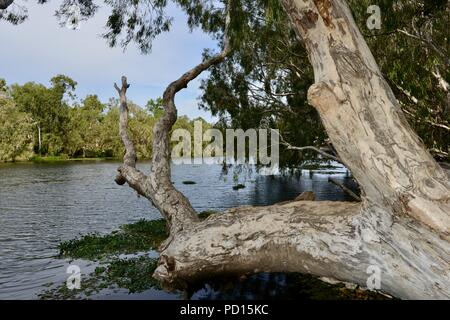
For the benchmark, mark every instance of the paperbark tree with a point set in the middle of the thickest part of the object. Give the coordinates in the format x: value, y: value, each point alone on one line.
x: 402, y: 225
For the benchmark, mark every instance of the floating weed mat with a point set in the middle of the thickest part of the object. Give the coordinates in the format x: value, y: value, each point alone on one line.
x: 134, y: 274
x: 144, y: 235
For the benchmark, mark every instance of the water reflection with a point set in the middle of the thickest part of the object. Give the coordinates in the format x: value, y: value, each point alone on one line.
x: 43, y: 204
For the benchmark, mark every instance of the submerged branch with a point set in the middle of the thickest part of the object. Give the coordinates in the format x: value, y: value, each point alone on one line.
x: 346, y: 190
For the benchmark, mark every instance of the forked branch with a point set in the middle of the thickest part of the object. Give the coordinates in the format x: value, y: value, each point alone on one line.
x: 157, y: 186
x: 129, y: 158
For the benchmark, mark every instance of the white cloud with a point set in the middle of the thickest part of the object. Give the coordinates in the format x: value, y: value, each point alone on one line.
x: 39, y: 48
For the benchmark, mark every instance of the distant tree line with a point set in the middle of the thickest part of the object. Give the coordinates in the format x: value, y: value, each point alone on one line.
x: 37, y: 120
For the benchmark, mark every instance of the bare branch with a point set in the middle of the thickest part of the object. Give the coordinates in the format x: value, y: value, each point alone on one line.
x: 130, y: 151
x: 129, y: 159
x: 160, y: 176
x: 430, y: 44
x: 428, y: 121
x: 323, y: 153
x: 346, y: 190
x: 157, y: 186
x: 442, y: 82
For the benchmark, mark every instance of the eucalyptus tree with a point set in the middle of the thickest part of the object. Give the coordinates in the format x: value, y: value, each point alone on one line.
x: 49, y: 110
x: 266, y: 78
x: 412, y: 48
x: 16, y: 131
x: 402, y: 225
x: 85, y: 127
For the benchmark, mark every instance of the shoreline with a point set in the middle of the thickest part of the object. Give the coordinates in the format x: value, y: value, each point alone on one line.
x: 49, y: 159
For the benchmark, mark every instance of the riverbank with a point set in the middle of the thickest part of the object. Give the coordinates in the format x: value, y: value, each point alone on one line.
x: 49, y: 159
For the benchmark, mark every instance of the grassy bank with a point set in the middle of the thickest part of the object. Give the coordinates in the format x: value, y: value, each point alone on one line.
x: 44, y: 159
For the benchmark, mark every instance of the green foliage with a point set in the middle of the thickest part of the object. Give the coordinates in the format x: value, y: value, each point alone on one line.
x: 133, y: 274
x: 265, y: 81
x: 137, y: 21
x: 2, y: 85
x: 143, y: 235
x: 410, y: 65
x: 263, y: 84
x: 155, y: 108
x: 88, y: 129
x: 49, y: 111
x: 16, y: 132
x: 141, y: 128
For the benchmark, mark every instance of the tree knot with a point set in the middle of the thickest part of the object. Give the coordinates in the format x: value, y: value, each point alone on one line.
x: 324, y: 96
x: 168, y: 262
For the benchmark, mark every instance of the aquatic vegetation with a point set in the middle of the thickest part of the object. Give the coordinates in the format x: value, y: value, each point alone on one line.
x: 141, y: 236
x: 189, y: 182
x: 135, y: 273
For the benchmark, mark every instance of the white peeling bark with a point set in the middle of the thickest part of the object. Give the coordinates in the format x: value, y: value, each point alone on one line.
x: 363, y: 118
x: 402, y: 224
x: 321, y: 238
x: 157, y: 185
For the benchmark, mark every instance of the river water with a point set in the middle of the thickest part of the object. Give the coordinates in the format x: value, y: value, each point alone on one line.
x: 44, y: 204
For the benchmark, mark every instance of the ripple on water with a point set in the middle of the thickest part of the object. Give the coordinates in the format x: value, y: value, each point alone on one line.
x: 44, y: 204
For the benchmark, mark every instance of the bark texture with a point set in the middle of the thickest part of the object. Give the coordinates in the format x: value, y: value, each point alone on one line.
x: 402, y: 224
x: 363, y: 118
x: 317, y: 237
x: 157, y: 185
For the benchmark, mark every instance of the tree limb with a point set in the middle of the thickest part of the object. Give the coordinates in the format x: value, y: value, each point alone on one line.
x: 157, y: 186
x: 323, y: 153
x: 430, y: 44
x: 129, y: 158
x: 346, y: 190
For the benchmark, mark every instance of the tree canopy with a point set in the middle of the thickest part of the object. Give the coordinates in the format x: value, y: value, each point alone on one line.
x: 265, y: 79
x: 69, y: 128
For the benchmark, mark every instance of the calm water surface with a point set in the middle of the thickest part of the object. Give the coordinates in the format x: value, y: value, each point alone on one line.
x: 44, y: 204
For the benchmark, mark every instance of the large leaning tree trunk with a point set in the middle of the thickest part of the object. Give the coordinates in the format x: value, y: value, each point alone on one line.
x: 402, y: 225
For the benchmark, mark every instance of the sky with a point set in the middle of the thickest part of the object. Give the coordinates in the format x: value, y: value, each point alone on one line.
x: 39, y: 49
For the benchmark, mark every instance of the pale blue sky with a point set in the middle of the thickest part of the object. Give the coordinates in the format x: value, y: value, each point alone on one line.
x: 39, y: 48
